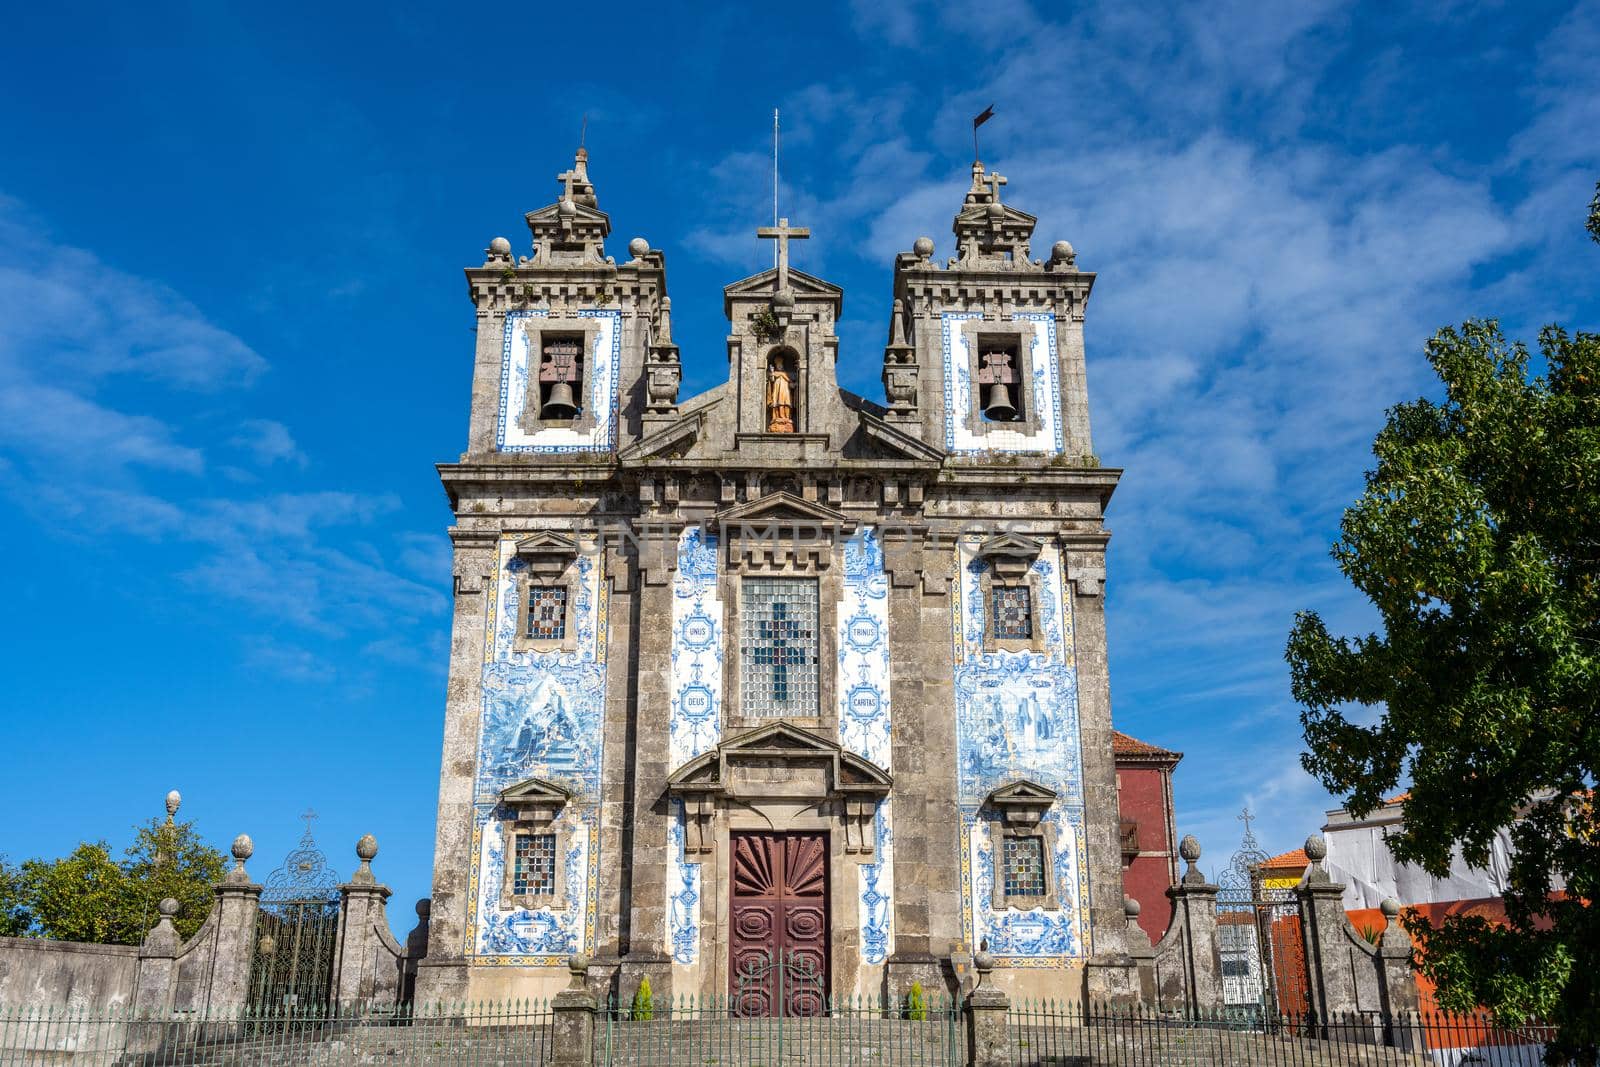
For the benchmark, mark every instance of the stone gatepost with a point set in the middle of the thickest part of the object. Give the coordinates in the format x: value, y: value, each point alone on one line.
x: 155, y: 982
x: 1194, y: 919
x: 235, y: 944
x: 988, y: 1036
x: 367, y: 965
x: 1397, y: 980
x: 1330, y: 981
x: 1142, y: 951
x: 572, y: 1035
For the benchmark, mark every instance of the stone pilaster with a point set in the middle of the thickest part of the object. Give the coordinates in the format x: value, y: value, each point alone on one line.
x: 442, y: 977
x: 234, y: 946
x: 367, y: 962
x: 1188, y: 960
x: 1330, y: 980
x: 1142, y: 952
x: 1398, y: 980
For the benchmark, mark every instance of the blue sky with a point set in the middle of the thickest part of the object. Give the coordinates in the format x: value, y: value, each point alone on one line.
x: 234, y: 337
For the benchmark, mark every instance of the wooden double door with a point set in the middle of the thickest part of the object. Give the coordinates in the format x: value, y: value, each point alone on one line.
x: 779, y: 944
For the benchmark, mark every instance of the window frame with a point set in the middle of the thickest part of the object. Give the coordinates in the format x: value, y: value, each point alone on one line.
x: 821, y: 629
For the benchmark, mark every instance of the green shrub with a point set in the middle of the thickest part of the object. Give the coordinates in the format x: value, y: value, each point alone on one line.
x: 917, y: 1003
x: 644, y: 1005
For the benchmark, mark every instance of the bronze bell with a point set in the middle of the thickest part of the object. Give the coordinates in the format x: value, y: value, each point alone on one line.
x: 997, y: 408
x: 560, y: 405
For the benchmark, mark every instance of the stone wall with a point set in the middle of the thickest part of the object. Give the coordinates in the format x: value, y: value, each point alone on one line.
x: 36, y: 973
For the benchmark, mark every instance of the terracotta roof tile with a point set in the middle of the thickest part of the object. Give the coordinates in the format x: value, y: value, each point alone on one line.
x: 1297, y: 858
x: 1123, y: 745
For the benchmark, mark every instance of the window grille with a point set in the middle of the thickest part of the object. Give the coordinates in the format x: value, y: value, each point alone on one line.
x: 1024, y: 867
x: 547, y: 612
x: 535, y: 871
x: 778, y: 647
x: 1013, y: 613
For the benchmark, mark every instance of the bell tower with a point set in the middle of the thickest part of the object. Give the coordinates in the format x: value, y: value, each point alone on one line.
x: 985, y: 352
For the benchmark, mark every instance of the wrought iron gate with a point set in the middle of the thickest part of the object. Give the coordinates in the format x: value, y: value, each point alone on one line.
x: 1259, y: 939
x: 297, y: 925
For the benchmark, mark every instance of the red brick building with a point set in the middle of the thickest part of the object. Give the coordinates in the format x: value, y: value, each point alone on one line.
x: 1149, y: 828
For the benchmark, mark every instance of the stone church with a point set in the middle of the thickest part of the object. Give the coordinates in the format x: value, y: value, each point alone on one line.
x: 777, y: 671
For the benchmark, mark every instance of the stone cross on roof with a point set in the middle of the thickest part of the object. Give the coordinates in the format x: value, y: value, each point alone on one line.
x: 783, y: 232
x: 996, y: 180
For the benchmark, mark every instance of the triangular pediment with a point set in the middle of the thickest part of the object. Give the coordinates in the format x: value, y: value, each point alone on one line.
x: 766, y: 283
x: 781, y: 507
x: 779, y: 735
x: 979, y: 214
x: 1023, y: 791
x: 536, y: 791
x: 547, y: 543
x: 551, y: 213
x: 1010, y: 545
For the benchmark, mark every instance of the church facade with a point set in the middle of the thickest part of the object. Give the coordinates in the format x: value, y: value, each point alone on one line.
x: 776, y: 672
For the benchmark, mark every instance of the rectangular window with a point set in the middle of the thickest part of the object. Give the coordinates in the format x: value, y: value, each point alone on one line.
x: 1013, y: 613
x: 1024, y: 867
x: 778, y: 647
x: 547, y: 612
x: 534, y: 873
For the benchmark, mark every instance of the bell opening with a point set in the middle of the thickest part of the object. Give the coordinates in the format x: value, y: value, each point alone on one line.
x: 561, y: 379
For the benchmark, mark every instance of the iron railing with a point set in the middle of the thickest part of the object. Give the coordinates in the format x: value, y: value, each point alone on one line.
x: 1044, y: 1032
x: 511, y: 1032
x: 701, y: 1030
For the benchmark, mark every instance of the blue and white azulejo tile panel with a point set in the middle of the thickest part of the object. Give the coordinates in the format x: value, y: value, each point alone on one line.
x: 1017, y: 718
x: 518, y: 360
x: 1044, y: 391
x: 694, y: 722
x: 863, y: 679
x: 876, y: 907
x: 542, y: 716
x: 683, y: 892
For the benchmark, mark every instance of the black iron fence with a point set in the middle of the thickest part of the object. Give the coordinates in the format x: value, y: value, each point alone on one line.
x: 1058, y: 1033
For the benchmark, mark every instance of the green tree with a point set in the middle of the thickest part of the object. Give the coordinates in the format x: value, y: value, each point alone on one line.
x: 14, y: 920
x: 1594, y: 214
x: 88, y: 896
x: 1477, y: 539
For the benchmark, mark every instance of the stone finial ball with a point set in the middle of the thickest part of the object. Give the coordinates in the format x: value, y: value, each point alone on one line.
x: 1390, y: 908
x: 1062, y: 251
x: 567, y: 208
x: 638, y: 247
x: 983, y: 960
x: 243, y: 847
x: 783, y: 298
x: 1131, y: 907
x: 995, y: 210
x: 168, y: 907
x: 1189, y: 848
x: 577, y: 963
x: 424, y: 907
x: 500, y: 246
x: 366, y: 848
x: 1316, y: 848
x: 923, y: 246
x: 174, y: 798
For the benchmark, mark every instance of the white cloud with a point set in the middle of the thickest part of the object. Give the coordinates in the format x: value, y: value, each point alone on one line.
x: 269, y: 442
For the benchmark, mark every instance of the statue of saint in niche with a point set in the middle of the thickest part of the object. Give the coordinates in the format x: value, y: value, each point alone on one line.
x: 780, y: 403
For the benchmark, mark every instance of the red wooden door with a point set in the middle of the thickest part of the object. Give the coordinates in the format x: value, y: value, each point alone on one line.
x: 779, y: 948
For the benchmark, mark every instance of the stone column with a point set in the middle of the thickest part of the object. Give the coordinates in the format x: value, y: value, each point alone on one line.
x: 238, y: 899
x: 1330, y: 984
x: 572, y: 1035
x: 1194, y: 912
x: 155, y: 981
x: 988, y: 1033
x: 360, y: 979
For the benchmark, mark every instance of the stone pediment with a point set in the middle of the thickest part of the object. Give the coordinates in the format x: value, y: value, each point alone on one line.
x: 547, y: 543
x: 1010, y: 217
x: 1010, y: 545
x: 1023, y: 802
x: 766, y: 283
x: 779, y: 746
x: 675, y: 437
x: 551, y: 213
x: 536, y: 798
x: 781, y: 508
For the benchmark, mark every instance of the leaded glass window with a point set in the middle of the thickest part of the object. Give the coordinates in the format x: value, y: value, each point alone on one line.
x: 778, y: 647
x: 1013, y: 613
x: 547, y: 612
x: 534, y: 872
x: 1024, y: 866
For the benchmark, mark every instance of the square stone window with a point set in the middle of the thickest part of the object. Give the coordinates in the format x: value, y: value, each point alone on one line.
x: 547, y: 613
x: 778, y: 643
x: 1012, y: 608
x: 533, y: 872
